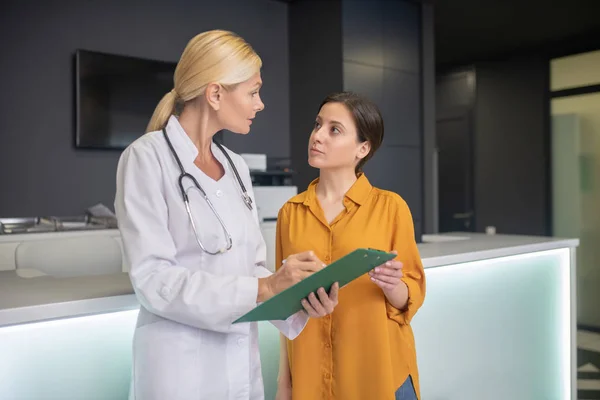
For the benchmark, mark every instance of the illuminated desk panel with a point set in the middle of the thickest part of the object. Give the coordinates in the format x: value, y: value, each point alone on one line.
x: 498, y: 322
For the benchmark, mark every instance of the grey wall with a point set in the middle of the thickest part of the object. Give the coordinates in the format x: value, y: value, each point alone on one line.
x: 41, y: 173
x: 383, y: 60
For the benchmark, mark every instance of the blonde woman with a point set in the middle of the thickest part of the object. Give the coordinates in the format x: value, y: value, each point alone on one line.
x: 191, y: 236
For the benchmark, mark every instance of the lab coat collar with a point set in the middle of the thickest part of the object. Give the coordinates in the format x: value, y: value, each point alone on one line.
x: 185, y: 148
x: 358, y: 192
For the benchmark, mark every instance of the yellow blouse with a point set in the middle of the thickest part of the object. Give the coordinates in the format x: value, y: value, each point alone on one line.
x: 366, y: 348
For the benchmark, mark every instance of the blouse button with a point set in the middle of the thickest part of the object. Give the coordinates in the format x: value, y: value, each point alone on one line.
x: 219, y: 193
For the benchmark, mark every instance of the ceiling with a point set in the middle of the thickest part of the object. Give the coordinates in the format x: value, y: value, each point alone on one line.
x: 476, y: 30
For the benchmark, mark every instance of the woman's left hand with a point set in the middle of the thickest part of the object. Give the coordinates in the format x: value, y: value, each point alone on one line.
x: 324, y: 304
x: 387, y: 275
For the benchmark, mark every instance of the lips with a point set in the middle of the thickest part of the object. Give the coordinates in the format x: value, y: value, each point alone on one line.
x: 313, y: 150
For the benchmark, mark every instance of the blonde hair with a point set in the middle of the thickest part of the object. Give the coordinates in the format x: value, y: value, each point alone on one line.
x: 215, y: 56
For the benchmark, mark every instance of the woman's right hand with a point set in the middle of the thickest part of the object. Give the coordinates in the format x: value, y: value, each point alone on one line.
x: 294, y: 269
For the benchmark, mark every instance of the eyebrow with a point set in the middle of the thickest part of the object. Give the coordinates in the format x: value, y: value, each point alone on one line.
x: 332, y: 122
x: 257, y: 85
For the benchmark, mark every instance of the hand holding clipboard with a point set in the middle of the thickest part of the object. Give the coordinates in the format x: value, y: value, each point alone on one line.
x: 342, y: 271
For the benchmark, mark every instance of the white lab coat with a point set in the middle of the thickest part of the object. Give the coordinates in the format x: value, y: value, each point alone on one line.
x: 185, y: 346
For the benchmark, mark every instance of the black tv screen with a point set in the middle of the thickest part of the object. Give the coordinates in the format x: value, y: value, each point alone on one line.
x: 116, y: 96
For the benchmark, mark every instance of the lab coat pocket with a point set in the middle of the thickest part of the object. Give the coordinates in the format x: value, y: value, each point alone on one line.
x: 166, y: 360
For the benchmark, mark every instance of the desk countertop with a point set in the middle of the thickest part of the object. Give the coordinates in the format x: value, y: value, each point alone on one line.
x: 454, y: 248
x: 40, y: 298
x: 16, y: 291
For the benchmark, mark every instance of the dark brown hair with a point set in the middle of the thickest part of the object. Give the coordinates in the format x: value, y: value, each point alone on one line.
x: 367, y: 118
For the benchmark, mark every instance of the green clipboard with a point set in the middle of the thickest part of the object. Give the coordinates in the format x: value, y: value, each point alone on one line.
x: 344, y: 270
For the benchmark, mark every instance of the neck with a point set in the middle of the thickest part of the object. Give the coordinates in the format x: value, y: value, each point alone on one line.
x: 198, y: 127
x: 334, y: 184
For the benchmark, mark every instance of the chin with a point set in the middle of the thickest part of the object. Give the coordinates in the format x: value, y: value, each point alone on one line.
x: 314, y: 163
x: 239, y: 130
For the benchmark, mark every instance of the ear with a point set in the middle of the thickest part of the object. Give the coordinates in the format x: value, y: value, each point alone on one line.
x: 213, y: 95
x: 363, y: 150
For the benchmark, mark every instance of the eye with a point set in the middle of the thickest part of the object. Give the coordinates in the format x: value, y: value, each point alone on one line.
x: 335, y: 130
x: 254, y: 93
x: 317, y: 125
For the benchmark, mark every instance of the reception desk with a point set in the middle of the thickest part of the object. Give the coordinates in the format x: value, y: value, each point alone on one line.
x: 498, y: 322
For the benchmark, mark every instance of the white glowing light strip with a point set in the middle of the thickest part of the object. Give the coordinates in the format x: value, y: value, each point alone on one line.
x: 565, y: 299
x: 69, y: 309
x: 108, y: 317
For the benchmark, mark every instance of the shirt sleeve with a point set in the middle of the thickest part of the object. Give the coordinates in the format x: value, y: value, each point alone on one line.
x: 162, y: 285
x: 403, y: 240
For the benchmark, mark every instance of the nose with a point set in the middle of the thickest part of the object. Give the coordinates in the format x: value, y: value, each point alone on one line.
x: 259, y: 106
x: 317, y: 135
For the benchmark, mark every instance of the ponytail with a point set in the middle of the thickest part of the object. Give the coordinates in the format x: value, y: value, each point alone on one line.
x: 162, y: 112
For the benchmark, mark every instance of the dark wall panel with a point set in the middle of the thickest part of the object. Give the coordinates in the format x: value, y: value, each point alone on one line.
x: 382, y: 60
x: 315, y: 71
x: 455, y: 90
x: 401, y: 109
x: 402, y: 35
x: 384, y: 33
x: 418, y: 230
x: 364, y: 79
x: 394, y: 92
x: 430, y: 180
x: 363, y: 31
x: 393, y: 168
x: 511, y: 150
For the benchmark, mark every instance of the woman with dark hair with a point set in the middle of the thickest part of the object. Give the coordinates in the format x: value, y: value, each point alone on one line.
x: 365, y: 349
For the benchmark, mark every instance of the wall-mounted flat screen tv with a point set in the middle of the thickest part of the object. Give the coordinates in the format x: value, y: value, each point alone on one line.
x: 116, y: 96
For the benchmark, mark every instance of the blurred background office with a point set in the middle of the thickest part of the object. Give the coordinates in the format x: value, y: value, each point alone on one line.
x: 492, y: 113
x: 518, y: 134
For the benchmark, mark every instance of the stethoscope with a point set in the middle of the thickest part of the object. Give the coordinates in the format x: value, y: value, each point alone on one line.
x: 247, y: 199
